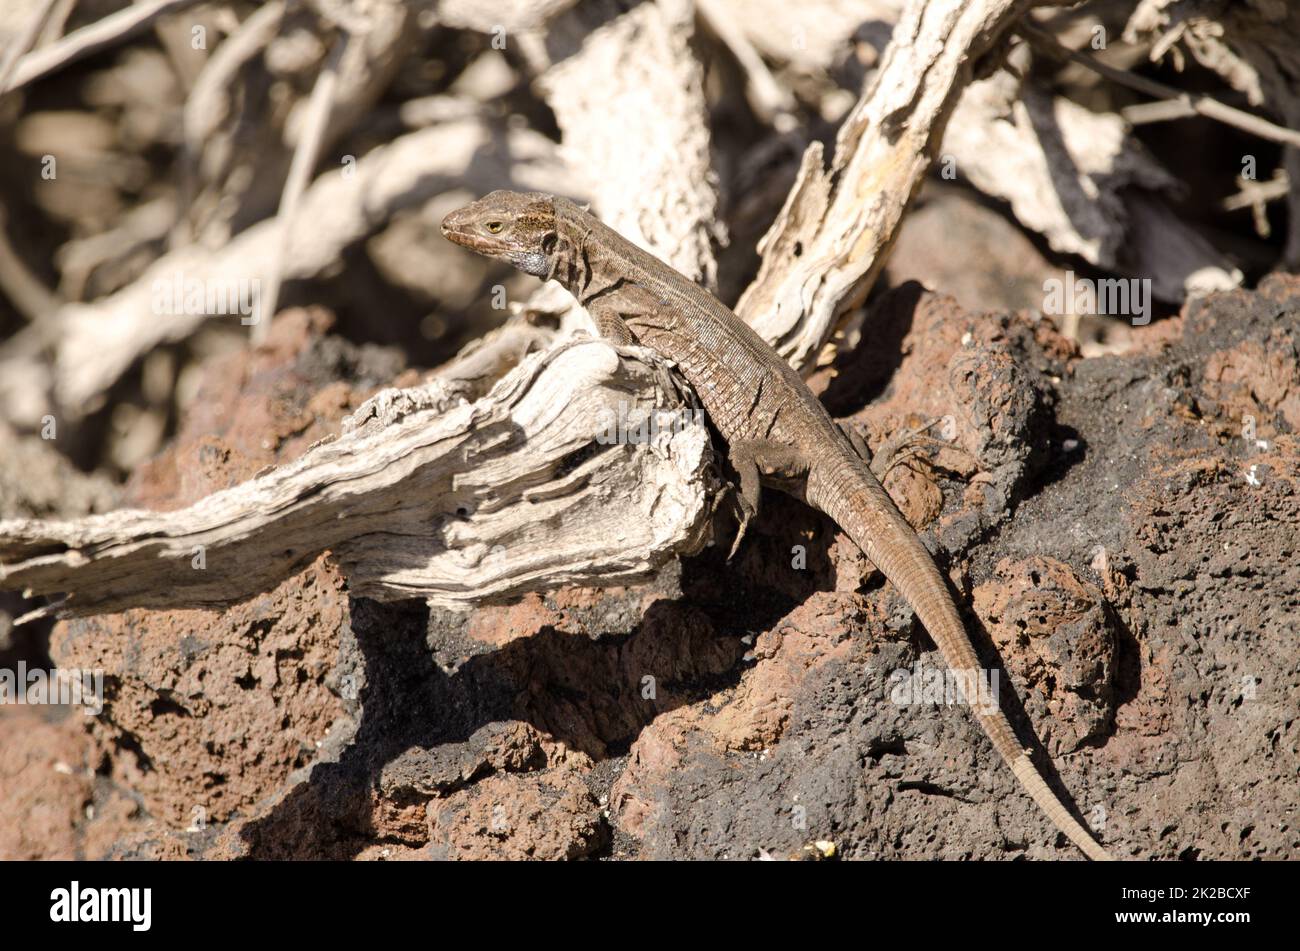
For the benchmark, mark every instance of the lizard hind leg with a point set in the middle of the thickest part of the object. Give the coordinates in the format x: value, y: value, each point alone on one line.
x: 747, y: 495
x: 903, y: 446
x: 755, y: 460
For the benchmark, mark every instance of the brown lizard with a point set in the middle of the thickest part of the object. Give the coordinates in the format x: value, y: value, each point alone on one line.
x: 778, y: 433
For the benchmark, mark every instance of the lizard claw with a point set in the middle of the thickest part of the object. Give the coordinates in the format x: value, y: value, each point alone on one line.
x: 745, y: 513
x: 740, y: 534
x: 902, y: 446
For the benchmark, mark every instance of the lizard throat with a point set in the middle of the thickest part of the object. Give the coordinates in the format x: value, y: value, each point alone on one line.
x: 532, y: 262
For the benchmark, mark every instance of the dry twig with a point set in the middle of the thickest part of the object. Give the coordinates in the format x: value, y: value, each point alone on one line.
x: 305, y: 157
x: 91, y: 39
x: 1193, y: 104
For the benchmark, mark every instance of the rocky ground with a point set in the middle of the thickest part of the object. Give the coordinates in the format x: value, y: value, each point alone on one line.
x: 1123, y: 530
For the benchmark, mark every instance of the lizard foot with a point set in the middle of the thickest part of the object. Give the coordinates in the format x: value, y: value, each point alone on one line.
x: 754, y: 461
x: 744, y: 498
x: 904, y: 445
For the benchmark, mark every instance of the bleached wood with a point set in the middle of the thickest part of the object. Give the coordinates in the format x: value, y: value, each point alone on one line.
x: 423, y: 495
x: 1081, y: 180
x: 99, y: 341
x: 829, y: 242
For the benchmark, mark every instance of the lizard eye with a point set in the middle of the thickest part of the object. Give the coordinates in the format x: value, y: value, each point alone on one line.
x: 493, y: 227
x: 548, y: 242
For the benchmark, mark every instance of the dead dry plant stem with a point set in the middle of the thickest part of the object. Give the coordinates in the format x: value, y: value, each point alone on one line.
x: 91, y: 39
x: 304, y: 160
x: 1194, y: 104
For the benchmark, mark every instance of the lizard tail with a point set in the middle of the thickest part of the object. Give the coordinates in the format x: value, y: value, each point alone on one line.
x: 848, y: 492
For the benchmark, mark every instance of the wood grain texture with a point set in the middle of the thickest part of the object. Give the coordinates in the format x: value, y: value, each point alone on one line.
x: 423, y: 495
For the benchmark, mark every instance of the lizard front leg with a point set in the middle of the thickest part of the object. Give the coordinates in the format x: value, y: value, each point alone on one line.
x: 610, y: 324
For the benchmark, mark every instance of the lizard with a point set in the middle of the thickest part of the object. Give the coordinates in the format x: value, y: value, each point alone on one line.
x: 778, y: 433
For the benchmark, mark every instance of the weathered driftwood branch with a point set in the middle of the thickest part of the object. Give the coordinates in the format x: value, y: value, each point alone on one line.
x: 1082, y: 181
x: 830, y: 241
x: 99, y: 341
x: 535, y: 485
x: 91, y: 39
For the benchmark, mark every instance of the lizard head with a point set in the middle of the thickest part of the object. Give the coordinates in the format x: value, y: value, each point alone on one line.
x: 516, y: 227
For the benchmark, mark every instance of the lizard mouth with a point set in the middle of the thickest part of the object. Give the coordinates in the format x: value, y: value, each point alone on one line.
x: 453, y: 229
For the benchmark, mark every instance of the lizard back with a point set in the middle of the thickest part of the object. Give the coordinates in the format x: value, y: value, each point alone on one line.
x: 749, y: 391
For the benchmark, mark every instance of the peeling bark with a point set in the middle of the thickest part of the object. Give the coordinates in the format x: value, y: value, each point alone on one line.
x: 831, y: 239
x: 424, y: 495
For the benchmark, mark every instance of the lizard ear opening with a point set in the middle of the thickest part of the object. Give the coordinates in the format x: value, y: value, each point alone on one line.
x: 549, y: 240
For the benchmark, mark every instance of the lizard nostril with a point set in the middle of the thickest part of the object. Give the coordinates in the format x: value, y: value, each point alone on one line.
x: 451, y: 222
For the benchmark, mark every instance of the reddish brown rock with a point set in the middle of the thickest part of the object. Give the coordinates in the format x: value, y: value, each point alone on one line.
x: 549, y: 815
x: 209, y: 712
x: 817, y: 632
x: 121, y: 829
x: 215, y: 708
x: 636, y: 796
x: 46, y: 783
x: 1058, y: 634
x: 498, y: 625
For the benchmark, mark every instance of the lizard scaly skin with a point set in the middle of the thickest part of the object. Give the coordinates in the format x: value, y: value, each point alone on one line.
x: 777, y: 432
